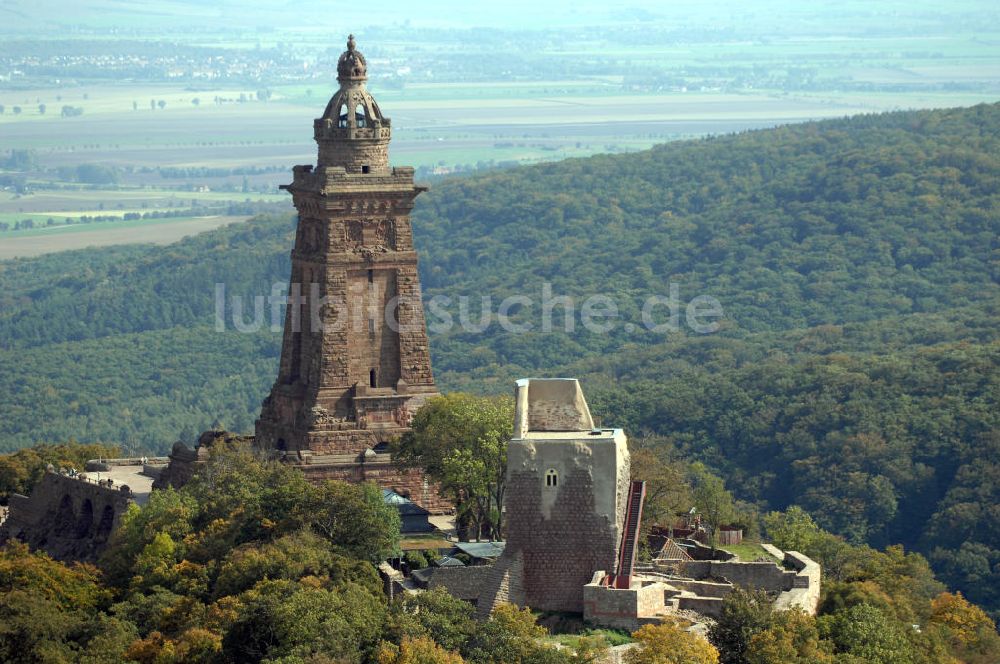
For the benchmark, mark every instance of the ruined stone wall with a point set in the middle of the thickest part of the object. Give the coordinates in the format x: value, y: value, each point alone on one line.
x: 461, y: 582
x: 766, y: 576
x: 805, y: 591
x: 69, y: 518
x: 706, y: 606
x: 703, y: 588
x: 503, y: 584
x: 622, y: 608
x: 561, y: 552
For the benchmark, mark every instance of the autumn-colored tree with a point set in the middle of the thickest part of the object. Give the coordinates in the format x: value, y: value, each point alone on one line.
x: 510, y: 636
x: 793, y: 638
x: 421, y: 650
x: 73, y: 587
x: 668, y: 643
x: 48, y: 611
x: 968, y: 627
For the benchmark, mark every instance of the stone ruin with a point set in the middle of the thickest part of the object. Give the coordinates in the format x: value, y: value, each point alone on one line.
x: 71, y: 515
x: 567, y: 486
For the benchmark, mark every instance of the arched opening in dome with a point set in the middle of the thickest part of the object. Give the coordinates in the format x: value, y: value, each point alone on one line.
x: 359, y: 116
x: 342, y: 116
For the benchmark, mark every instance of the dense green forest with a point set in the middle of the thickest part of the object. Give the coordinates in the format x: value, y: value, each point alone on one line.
x: 250, y: 563
x: 855, y: 372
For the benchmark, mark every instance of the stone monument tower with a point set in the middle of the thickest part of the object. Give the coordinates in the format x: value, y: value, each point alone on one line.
x: 354, y: 358
x: 567, y: 488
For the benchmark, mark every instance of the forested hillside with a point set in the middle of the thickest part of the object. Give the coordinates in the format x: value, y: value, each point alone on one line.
x: 855, y: 372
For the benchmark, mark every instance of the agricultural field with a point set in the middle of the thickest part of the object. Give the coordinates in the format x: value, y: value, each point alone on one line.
x: 202, y: 117
x: 101, y: 234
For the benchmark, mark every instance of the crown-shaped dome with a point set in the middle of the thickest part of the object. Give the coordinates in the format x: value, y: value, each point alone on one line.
x: 351, y: 66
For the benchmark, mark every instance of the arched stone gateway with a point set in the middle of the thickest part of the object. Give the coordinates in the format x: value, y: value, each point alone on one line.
x: 106, y: 524
x: 61, y: 517
x: 85, y: 521
x: 65, y: 516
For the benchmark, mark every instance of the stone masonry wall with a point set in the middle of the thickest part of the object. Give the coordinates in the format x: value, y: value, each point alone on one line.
x: 69, y: 518
x: 767, y: 576
x: 622, y: 608
x: 408, y: 482
x: 805, y: 590
x: 562, y: 552
x: 461, y: 582
x: 353, y: 155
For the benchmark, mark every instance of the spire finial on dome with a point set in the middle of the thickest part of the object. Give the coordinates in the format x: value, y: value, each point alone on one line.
x: 351, y: 67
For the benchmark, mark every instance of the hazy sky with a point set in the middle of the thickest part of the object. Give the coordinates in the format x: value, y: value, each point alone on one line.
x: 19, y: 16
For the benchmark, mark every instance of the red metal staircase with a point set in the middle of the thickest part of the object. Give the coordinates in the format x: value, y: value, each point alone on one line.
x: 630, y: 536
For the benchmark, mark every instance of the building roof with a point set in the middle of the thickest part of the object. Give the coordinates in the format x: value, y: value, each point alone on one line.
x: 449, y: 561
x: 672, y: 551
x: 481, y: 549
x: 405, y: 506
x: 422, y: 576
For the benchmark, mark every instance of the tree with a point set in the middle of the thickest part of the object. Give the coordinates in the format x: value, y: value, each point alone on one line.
x: 2, y: 109
x: 287, y: 619
x: 967, y: 625
x: 135, y: 105
x: 162, y: 103
x: 867, y: 633
x: 792, y: 529
x: 46, y: 607
x: 152, y: 104
x: 168, y: 512
x: 744, y: 613
x: 461, y: 441
x: 667, y: 490
x: 711, y: 499
x: 355, y: 519
x: 509, y: 636
x: 69, y: 587
x: 421, y: 650
x: 196, y: 102
x: 668, y: 643
x: 793, y: 638
x: 447, y: 620
x: 294, y: 556
x: 17, y: 110
x: 41, y: 109
x: 96, y: 174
